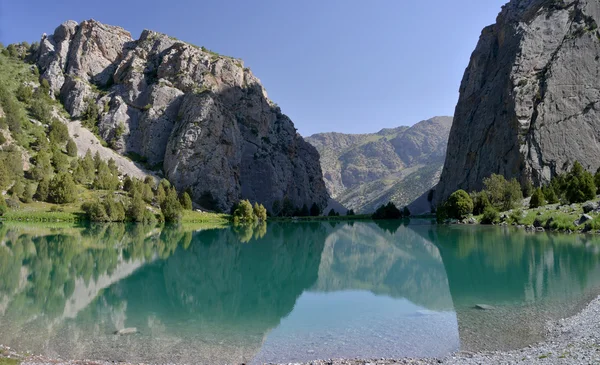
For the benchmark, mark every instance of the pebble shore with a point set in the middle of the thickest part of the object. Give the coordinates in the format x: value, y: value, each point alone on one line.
x: 574, y: 340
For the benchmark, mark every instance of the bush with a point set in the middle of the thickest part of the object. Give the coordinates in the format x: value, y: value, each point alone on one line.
x: 516, y: 216
x: 40, y: 110
x: 550, y: 194
x: 490, y: 215
x: 24, y: 93
x: 62, y: 189
x: 459, y: 205
x: 3, y: 206
x: 537, y: 199
x: 388, y: 211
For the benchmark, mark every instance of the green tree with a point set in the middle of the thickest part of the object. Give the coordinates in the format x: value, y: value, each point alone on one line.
x: 480, y: 202
x: 243, y: 212
x: 59, y: 160
x: 40, y: 110
x: 3, y: 207
x: 62, y: 189
x: 304, y: 211
x: 332, y: 213
x: 24, y: 93
x: 260, y: 212
x: 406, y: 212
x: 71, y: 148
x: 59, y: 133
x: 171, y: 208
x: 315, y: 211
x: 350, y: 212
x: 105, y: 180
x: 537, y: 199
x: 550, y: 194
x: 28, y: 192
x: 459, y: 205
x: 43, y: 189
x: 503, y: 194
x: 17, y: 189
x: 43, y: 166
x: 4, y: 176
x: 89, y: 166
x: 137, y: 208
x: 276, y: 207
x: 79, y: 174
x: 161, y: 194
x: 128, y: 184
x: 288, y: 208
x: 186, y: 201
x: 580, y: 186
x: 388, y: 211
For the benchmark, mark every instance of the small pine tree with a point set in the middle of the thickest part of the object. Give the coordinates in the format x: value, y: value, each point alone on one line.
x: 315, y: 211
x: 304, y: 211
x: 17, y: 189
x: 260, y: 212
x: 128, y: 184
x: 42, y: 191
x: 62, y: 189
x: 137, y: 208
x: 59, y: 133
x: 244, y: 212
x: 537, y: 199
x: 4, y: 176
x: 71, y: 148
x: 350, y: 212
x: 89, y: 166
x: 28, y: 193
x: 406, y: 212
x: 186, y: 201
x: 161, y: 194
x: 276, y: 207
x: 43, y: 166
x: 171, y: 208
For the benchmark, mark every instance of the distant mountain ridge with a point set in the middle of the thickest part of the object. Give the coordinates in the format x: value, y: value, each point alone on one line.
x: 363, y: 171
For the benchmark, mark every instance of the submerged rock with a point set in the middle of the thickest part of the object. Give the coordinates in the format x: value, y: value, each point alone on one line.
x: 484, y: 307
x: 126, y: 331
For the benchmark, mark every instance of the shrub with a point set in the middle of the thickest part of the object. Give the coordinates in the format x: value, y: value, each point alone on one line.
x: 388, y: 211
x: 550, y: 194
x: 537, y: 199
x: 490, y: 215
x: 40, y: 110
x: 62, y: 189
x: 459, y: 205
x: 515, y: 216
x: 24, y: 93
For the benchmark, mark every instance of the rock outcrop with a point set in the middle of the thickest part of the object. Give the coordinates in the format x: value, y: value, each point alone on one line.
x: 528, y: 105
x: 203, y: 118
x: 363, y: 171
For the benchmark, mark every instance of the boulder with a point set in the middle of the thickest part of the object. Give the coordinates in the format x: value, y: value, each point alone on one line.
x: 589, y: 207
x: 484, y: 307
x: 583, y: 219
x: 126, y: 331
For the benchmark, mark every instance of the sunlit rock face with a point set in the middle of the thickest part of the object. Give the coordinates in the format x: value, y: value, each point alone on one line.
x: 528, y: 99
x: 203, y: 118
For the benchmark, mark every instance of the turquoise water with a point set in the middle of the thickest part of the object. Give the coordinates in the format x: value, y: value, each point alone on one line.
x: 287, y: 291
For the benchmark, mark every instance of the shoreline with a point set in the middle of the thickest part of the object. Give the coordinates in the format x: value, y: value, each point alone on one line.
x: 573, y: 340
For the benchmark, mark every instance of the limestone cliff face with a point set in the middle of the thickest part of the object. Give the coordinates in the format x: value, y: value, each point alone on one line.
x: 203, y: 117
x: 528, y: 105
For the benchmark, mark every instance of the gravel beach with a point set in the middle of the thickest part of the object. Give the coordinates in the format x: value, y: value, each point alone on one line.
x: 574, y: 340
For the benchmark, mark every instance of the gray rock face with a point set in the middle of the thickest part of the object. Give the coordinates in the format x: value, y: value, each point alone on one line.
x: 202, y: 117
x: 528, y: 105
x: 363, y: 171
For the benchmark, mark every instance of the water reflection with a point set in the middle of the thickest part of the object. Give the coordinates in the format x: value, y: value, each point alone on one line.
x: 285, y: 292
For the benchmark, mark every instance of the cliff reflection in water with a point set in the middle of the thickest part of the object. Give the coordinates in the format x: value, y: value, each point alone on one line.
x: 241, y: 294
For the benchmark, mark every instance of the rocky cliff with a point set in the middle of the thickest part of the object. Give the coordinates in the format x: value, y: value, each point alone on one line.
x: 528, y: 105
x: 363, y: 171
x: 202, y: 117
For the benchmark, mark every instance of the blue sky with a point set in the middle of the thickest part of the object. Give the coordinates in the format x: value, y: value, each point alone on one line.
x: 332, y: 65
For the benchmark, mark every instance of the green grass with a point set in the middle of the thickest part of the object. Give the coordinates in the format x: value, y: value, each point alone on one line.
x: 7, y: 361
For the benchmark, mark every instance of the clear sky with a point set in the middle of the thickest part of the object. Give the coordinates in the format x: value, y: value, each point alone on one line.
x: 350, y: 66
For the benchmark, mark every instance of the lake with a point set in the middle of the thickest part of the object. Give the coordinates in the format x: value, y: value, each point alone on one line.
x: 286, y: 292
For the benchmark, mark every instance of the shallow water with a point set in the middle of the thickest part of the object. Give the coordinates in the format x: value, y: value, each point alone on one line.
x: 286, y: 292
